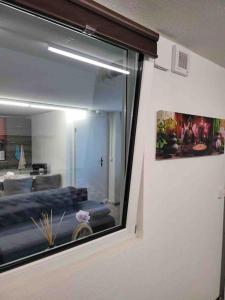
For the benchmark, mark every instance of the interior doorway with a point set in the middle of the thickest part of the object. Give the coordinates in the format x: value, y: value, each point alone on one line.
x: 92, y: 156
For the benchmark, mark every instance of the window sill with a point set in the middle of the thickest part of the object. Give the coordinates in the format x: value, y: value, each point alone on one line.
x: 78, y: 255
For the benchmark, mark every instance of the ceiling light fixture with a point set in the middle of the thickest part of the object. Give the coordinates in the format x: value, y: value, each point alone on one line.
x: 87, y: 60
x: 48, y: 107
x: 72, y: 114
x: 13, y: 103
x: 76, y: 115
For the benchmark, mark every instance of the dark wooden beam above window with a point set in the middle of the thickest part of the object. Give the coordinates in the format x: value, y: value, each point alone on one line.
x: 98, y: 20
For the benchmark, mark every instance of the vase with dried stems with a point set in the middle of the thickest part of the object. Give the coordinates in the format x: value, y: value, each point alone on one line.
x: 45, y: 226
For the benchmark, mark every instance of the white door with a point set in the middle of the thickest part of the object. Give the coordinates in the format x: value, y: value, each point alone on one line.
x: 91, y: 144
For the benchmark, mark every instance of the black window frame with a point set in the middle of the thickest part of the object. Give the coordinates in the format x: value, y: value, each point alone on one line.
x: 60, y: 248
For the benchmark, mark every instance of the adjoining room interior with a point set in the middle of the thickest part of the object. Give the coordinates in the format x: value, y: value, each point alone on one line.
x: 64, y: 131
x: 57, y: 142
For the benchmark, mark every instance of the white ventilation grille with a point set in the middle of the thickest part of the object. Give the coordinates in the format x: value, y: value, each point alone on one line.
x: 180, y: 61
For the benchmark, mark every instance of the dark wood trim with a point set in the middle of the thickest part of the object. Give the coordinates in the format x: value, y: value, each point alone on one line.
x: 105, y: 22
x: 115, y: 17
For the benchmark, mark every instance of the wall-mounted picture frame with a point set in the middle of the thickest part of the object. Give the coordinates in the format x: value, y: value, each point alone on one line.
x: 184, y: 135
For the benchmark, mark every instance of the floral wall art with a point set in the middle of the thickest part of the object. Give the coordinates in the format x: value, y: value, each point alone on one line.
x: 183, y: 135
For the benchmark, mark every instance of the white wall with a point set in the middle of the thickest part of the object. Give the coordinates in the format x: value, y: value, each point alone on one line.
x: 49, y: 141
x: 178, y: 257
x: 182, y: 213
x: 115, y: 157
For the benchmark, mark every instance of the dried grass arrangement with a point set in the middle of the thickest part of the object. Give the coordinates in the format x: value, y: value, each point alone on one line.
x: 45, y: 226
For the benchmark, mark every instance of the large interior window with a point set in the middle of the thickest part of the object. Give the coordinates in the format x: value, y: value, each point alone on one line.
x: 66, y: 107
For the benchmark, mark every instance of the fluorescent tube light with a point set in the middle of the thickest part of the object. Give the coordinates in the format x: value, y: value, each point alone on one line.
x: 72, y: 114
x: 87, y: 60
x: 75, y: 115
x: 14, y: 103
x: 50, y: 107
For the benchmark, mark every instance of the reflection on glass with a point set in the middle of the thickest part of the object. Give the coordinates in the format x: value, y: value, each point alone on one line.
x: 64, y: 134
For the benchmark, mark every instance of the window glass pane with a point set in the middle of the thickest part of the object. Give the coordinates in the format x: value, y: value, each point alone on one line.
x: 66, y: 102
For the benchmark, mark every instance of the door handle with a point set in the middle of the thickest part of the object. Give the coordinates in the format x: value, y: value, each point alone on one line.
x: 101, y: 161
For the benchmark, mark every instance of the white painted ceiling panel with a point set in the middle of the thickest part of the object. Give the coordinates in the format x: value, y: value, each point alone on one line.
x: 29, y: 72
x: 197, y: 24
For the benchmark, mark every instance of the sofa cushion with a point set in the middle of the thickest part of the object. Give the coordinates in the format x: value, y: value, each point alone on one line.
x: 17, y: 186
x: 103, y: 223
x: 20, y: 208
x: 94, y: 208
x: 46, y: 182
x: 82, y: 194
x: 21, y: 241
x: 19, y: 237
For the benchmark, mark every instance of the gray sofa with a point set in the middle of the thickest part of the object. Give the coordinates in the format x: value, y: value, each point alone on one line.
x: 18, y: 235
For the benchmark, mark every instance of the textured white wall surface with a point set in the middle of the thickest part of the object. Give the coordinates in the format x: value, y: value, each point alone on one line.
x: 179, y: 252
x: 197, y: 25
x: 182, y: 212
x: 49, y: 141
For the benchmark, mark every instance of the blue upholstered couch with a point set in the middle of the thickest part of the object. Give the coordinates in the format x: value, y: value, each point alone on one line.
x: 18, y: 235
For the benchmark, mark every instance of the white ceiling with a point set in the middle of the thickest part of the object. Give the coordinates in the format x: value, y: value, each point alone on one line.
x: 29, y: 72
x: 196, y: 24
x: 6, y: 110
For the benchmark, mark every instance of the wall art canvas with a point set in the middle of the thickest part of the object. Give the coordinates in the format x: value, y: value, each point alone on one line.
x: 183, y: 135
